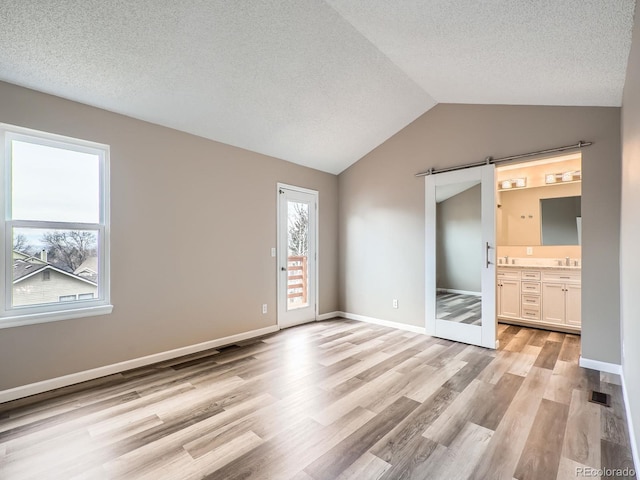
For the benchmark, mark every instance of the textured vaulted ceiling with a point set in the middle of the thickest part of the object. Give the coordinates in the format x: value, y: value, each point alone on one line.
x: 319, y: 83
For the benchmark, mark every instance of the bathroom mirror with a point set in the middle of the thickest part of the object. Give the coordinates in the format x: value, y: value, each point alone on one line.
x: 543, y: 215
x: 561, y: 220
x: 458, y: 252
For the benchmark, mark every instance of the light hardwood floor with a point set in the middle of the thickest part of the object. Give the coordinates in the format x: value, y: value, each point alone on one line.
x: 329, y: 400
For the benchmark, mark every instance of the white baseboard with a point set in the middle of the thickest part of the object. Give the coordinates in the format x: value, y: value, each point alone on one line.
x: 632, y: 433
x: 601, y: 366
x: 328, y: 316
x: 384, y: 323
x: 73, y: 378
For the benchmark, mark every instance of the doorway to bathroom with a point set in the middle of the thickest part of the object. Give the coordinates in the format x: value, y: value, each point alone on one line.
x: 522, y: 230
x: 539, y: 237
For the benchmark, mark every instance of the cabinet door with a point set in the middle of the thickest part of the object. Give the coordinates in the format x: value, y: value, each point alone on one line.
x: 510, y: 298
x: 573, y: 309
x: 553, y: 302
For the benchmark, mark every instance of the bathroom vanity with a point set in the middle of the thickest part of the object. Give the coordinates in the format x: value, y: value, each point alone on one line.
x: 539, y: 236
x: 540, y: 296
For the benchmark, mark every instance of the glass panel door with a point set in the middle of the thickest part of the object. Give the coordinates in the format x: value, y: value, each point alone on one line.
x: 297, y: 228
x: 297, y: 254
x: 460, y: 274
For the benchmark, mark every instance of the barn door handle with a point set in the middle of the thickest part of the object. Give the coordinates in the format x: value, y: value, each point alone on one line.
x: 487, y: 256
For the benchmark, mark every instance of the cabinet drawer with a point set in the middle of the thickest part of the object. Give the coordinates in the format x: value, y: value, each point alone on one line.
x: 531, y: 313
x: 530, y: 301
x: 563, y: 277
x: 529, y: 275
x: 530, y: 287
x: 509, y: 274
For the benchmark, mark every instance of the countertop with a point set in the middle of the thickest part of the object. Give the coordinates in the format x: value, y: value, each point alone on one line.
x: 540, y: 267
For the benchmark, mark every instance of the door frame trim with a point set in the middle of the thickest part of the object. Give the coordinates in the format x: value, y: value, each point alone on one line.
x: 279, y: 241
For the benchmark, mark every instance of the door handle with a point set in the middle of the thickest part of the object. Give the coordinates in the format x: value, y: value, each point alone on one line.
x: 284, y: 269
x: 487, y: 256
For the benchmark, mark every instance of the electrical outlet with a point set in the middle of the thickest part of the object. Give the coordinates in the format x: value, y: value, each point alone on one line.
x: 529, y: 250
x: 395, y: 303
x: 264, y: 308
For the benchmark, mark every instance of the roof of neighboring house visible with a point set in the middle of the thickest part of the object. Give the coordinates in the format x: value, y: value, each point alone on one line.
x: 24, y: 268
x: 27, y: 257
x: 88, y: 269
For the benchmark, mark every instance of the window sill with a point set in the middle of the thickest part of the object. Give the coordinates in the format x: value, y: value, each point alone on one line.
x: 31, y: 319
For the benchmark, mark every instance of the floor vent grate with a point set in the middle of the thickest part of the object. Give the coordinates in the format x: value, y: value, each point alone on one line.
x: 600, y: 398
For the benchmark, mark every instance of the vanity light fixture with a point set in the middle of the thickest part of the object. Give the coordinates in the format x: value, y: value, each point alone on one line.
x: 562, y: 177
x: 513, y: 183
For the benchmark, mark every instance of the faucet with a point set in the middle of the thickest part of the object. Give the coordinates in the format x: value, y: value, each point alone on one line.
x: 567, y: 261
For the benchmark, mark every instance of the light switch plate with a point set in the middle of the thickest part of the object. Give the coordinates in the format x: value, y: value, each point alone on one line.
x: 273, y: 252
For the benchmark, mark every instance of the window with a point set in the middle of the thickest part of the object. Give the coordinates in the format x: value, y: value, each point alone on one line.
x: 56, y: 204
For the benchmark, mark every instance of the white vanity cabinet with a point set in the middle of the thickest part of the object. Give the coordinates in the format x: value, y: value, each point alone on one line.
x: 508, y: 294
x: 530, y: 298
x: 554, y: 305
x: 539, y: 296
x: 562, y: 294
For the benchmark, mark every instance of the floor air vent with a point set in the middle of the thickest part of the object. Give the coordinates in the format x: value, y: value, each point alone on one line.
x: 600, y: 398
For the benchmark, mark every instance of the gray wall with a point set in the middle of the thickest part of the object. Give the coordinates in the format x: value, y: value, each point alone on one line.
x: 630, y: 232
x: 193, y: 222
x: 381, y: 207
x: 458, y: 241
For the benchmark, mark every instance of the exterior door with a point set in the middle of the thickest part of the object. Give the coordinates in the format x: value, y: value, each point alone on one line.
x: 460, y: 256
x: 297, y: 255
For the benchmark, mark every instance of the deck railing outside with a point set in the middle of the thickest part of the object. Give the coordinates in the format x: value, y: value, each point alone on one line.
x: 297, y: 281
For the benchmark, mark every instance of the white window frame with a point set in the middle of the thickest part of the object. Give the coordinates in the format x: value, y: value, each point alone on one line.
x: 11, y: 316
